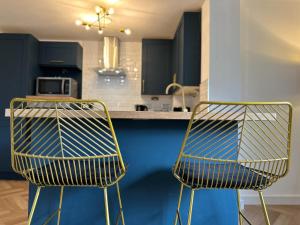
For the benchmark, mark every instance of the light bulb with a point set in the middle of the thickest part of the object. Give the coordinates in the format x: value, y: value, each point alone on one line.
x: 78, y: 22
x: 110, y: 11
x: 87, y: 27
x: 98, y: 9
x: 127, y: 31
x: 100, y: 31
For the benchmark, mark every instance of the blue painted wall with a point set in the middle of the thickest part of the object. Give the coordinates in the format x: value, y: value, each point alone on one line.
x: 149, y: 190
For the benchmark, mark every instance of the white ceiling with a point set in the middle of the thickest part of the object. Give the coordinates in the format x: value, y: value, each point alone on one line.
x: 54, y: 19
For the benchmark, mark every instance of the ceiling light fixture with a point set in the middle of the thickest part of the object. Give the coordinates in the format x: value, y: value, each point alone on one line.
x: 100, y: 31
x: 78, y: 22
x: 126, y: 31
x: 103, y: 16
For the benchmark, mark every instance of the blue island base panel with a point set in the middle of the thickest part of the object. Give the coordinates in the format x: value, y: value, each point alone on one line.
x: 149, y: 190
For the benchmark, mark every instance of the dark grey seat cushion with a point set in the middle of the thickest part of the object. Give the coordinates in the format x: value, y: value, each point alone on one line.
x: 77, y: 172
x: 221, y: 175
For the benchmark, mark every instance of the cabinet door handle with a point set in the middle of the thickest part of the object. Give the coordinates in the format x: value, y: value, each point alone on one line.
x: 143, y: 86
x: 56, y: 61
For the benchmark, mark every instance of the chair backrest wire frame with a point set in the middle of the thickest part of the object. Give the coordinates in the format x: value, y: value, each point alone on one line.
x: 228, y: 144
x: 64, y: 142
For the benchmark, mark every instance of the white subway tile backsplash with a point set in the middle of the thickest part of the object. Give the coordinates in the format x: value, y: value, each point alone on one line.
x: 116, y: 96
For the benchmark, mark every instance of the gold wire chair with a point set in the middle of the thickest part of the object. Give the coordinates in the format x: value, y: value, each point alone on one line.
x: 234, y: 146
x: 65, y: 143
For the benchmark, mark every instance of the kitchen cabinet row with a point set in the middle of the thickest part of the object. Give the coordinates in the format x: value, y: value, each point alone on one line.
x: 22, y: 59
x: 173, y: 60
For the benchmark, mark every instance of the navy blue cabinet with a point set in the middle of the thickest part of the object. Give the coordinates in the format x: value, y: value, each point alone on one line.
x: 18, y: 70
x: 187, y: 50
x: 165, y: 61
x: 156, y: 66
x: 60, y: 54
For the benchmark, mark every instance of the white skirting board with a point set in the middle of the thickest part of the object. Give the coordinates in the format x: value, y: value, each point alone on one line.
x: 271, y: 199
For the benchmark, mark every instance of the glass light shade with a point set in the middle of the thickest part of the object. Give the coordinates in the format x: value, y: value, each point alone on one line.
x: 110, y: 11
x: 98, y: 9
x: 127, y: 31
x: 78, y: 22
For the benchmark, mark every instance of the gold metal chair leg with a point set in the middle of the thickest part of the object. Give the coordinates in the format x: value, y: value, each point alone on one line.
x: 121, y: 205
x: 37, y: 194
x: 239, y: 207
x: 263, y: 204
x: 178, y: 206
x: 106, y: 207
x: 191, y: 207
x: 60, y: 204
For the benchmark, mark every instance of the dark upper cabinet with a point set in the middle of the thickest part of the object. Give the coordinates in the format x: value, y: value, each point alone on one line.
x: 18, y: 67
x: 156, y: 66
x: 187, y: 50
x: 18, y: 70
x: 60, y: 55
x: 162, y: 58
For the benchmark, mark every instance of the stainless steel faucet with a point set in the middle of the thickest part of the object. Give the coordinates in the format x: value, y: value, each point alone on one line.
x: 174, y: 84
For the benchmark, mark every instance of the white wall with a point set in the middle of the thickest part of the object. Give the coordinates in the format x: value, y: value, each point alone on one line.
x: 252, y: 49
x: 221, y: 31
x: 205, y: 51
x: 270, y: 65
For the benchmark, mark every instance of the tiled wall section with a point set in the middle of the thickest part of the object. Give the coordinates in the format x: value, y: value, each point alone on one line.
x: 121, y: 97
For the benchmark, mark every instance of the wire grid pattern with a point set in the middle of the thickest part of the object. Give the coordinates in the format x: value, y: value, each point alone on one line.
x: 235, y: 145
x: 69, y: 143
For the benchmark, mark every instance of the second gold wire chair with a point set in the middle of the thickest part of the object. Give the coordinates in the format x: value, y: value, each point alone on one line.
x: 65, y: 143
x: 234, y: 146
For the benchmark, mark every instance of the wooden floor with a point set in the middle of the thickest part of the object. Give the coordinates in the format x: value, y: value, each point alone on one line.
x: 13, y: 202
x: 14, y: 196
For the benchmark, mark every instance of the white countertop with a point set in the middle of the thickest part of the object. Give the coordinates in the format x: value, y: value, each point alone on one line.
x: 143, y: 115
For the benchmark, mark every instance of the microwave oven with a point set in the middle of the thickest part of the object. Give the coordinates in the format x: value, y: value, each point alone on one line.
x: 56, y: 86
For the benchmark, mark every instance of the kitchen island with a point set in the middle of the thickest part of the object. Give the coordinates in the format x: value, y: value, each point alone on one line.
x: 149, y: 190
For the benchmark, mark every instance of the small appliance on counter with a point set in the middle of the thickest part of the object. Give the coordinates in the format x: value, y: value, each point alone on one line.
x: 56, y: 86
x: 179, y: 109
x: 141, y: 108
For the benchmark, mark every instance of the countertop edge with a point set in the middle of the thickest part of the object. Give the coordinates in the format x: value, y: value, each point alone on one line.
x: 142, y: 115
